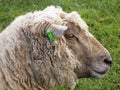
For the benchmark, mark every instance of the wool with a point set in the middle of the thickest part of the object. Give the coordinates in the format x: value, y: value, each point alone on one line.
x: 30, y: 61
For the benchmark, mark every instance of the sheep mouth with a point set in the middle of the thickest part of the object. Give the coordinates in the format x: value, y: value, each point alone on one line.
x: 102, y: 72
x: 98, y: 74
x: 99, y: 71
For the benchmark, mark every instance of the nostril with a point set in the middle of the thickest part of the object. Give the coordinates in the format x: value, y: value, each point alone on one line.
x: 107, y: 61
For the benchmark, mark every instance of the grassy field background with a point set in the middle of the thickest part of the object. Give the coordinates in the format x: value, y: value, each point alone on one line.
x: 103, y: 18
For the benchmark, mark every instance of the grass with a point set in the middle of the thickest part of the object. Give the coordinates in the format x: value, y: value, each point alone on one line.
x: 103, y: 18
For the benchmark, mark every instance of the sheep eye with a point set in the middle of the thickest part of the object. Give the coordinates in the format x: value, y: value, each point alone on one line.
x: 70, y: 36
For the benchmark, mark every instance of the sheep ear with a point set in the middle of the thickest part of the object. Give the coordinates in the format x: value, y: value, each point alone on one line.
x: 57, y: 30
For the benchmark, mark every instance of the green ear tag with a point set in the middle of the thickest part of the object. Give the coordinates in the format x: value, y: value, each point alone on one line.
x: 50, y: 35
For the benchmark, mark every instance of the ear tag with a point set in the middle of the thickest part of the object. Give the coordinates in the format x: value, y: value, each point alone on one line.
x: 50, y: 35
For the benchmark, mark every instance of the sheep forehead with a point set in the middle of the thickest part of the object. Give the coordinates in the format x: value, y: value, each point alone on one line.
x: 75, y: 18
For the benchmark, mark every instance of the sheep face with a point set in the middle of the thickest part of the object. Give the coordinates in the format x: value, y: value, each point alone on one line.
x: 94, y: 59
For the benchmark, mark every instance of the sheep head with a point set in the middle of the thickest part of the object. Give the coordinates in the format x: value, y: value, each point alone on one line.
x: 75, y: 54
x: 94, y: 59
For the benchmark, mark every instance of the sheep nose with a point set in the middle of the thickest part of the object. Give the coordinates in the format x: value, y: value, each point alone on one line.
x: 108, y: 61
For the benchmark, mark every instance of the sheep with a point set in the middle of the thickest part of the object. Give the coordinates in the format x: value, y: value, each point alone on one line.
x: 31, y: 60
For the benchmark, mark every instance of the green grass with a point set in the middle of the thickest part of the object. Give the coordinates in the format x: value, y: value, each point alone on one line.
x: 103, y: 18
